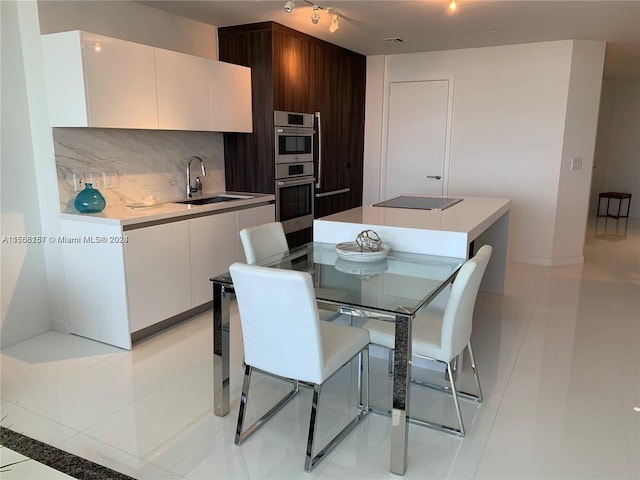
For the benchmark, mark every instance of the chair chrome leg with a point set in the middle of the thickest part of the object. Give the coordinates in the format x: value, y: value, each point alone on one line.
x: 242, y: 436
x: 456, y: 400
x: 363, y: 379
x: 445, y: 388
x: 456, y: 367
x: 243, y: 403
x: 475, y: 372
x: 313, y: 421
x: 310, y: 460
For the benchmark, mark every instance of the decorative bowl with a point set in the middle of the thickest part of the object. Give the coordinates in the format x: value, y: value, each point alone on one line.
x: 351, y: 251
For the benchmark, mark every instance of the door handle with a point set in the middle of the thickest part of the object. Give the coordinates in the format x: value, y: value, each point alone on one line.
x: 319, y: 181
x: 437, y: 177
x: 334, y: 192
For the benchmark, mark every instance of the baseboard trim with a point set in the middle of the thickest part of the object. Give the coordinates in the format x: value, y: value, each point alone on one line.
x: 60, y: 326
x: 169, y: 322
x: 546, y: 261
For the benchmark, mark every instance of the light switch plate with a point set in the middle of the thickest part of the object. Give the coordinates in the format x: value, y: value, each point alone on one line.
x: 576, y: 163
x: 79, y: 180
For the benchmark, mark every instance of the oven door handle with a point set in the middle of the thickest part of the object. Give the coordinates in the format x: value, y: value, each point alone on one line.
x: 293, y: 183
x: 333, y: 192
x: 300, y: 132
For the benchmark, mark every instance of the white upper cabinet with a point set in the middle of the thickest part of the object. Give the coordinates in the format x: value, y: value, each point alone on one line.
x: 97, y: 81
x: 230, y: 97
x: 183, y: 91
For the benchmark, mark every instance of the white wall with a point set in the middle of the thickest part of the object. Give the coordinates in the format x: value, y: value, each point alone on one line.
x: 130, y: 21
x: 579, y: 142
x: 373, y: 129
x: 618, y: 147
x: 28, y: 178
x: 507, y: 137
x: 601, y: 155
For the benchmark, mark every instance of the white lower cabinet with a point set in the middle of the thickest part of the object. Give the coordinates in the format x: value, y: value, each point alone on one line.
x: 213, y: 247
x: 157, y: 270
x: 95, y: 282
x: 120, y: 282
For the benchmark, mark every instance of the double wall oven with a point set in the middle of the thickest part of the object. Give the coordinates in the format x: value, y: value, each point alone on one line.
x: 294, y: 170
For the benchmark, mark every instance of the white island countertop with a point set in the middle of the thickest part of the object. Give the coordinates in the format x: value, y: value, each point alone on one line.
x: 471, y: 216
x: 122, y: 215
x: 447, y: 232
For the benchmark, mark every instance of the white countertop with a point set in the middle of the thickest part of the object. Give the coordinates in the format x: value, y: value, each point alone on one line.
x: 472, y: 214
x: 438, y: 232
x: 122, y: 215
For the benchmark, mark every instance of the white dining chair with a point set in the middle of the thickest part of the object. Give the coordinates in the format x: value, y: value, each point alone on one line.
x: 442, y: 335
x: 263, y: 241
x: 283, y: 336
x: 266, y: 240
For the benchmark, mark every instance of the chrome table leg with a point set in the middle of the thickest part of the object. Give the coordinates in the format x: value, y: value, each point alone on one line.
x: 221, y: 297
x: 401, y: 386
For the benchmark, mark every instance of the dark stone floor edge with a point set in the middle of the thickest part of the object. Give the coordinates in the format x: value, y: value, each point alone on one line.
x: 72, y: 465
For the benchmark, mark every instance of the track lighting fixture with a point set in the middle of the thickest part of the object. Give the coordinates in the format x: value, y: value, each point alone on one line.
x: 315, y: 17
x: 335, y: 22
x: 288, y: 6
x: 453, y: 6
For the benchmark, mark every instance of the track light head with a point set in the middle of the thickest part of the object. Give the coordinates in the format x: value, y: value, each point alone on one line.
x: 288, y: 6
x: 315, y: 17
x: 335, y: 22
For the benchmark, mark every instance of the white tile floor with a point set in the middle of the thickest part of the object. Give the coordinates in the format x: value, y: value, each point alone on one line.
x: 559, y: 361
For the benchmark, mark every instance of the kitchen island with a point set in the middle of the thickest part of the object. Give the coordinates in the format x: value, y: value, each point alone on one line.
x: 457, y: 231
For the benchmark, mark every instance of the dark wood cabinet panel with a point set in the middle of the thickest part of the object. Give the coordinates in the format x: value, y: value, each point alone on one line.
x: 295, y: 72
x: 341, y: 80
x: 333, y: 204
x: 292, y: 65
x: 249, y: 157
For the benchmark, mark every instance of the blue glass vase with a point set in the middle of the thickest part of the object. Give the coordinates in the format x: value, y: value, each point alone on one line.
x: 89, y: 200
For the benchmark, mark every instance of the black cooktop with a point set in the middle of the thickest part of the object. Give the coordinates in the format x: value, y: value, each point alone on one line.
x: 419, y: 203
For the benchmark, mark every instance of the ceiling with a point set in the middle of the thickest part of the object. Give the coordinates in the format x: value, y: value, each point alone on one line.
x: 427, y: 25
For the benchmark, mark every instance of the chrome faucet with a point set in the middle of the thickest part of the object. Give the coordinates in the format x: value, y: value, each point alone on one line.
x: 198, y: 187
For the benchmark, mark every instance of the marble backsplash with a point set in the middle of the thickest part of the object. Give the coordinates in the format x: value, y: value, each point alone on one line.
x: 148, y: 162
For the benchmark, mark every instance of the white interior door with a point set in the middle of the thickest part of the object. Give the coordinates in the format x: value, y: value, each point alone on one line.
x: 417, y: 138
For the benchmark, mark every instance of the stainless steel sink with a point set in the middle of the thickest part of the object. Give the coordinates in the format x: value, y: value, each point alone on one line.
x: 207, y: 201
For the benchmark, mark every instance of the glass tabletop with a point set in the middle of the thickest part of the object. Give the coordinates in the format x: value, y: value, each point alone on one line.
x: 400, y: 283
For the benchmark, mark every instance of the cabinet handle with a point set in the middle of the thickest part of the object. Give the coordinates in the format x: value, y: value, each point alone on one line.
x: 333, y: 192
x: 437, y: 177
x: 319, y: 182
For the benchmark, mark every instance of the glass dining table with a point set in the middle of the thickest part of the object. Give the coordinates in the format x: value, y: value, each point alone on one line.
x: 394, y: 289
